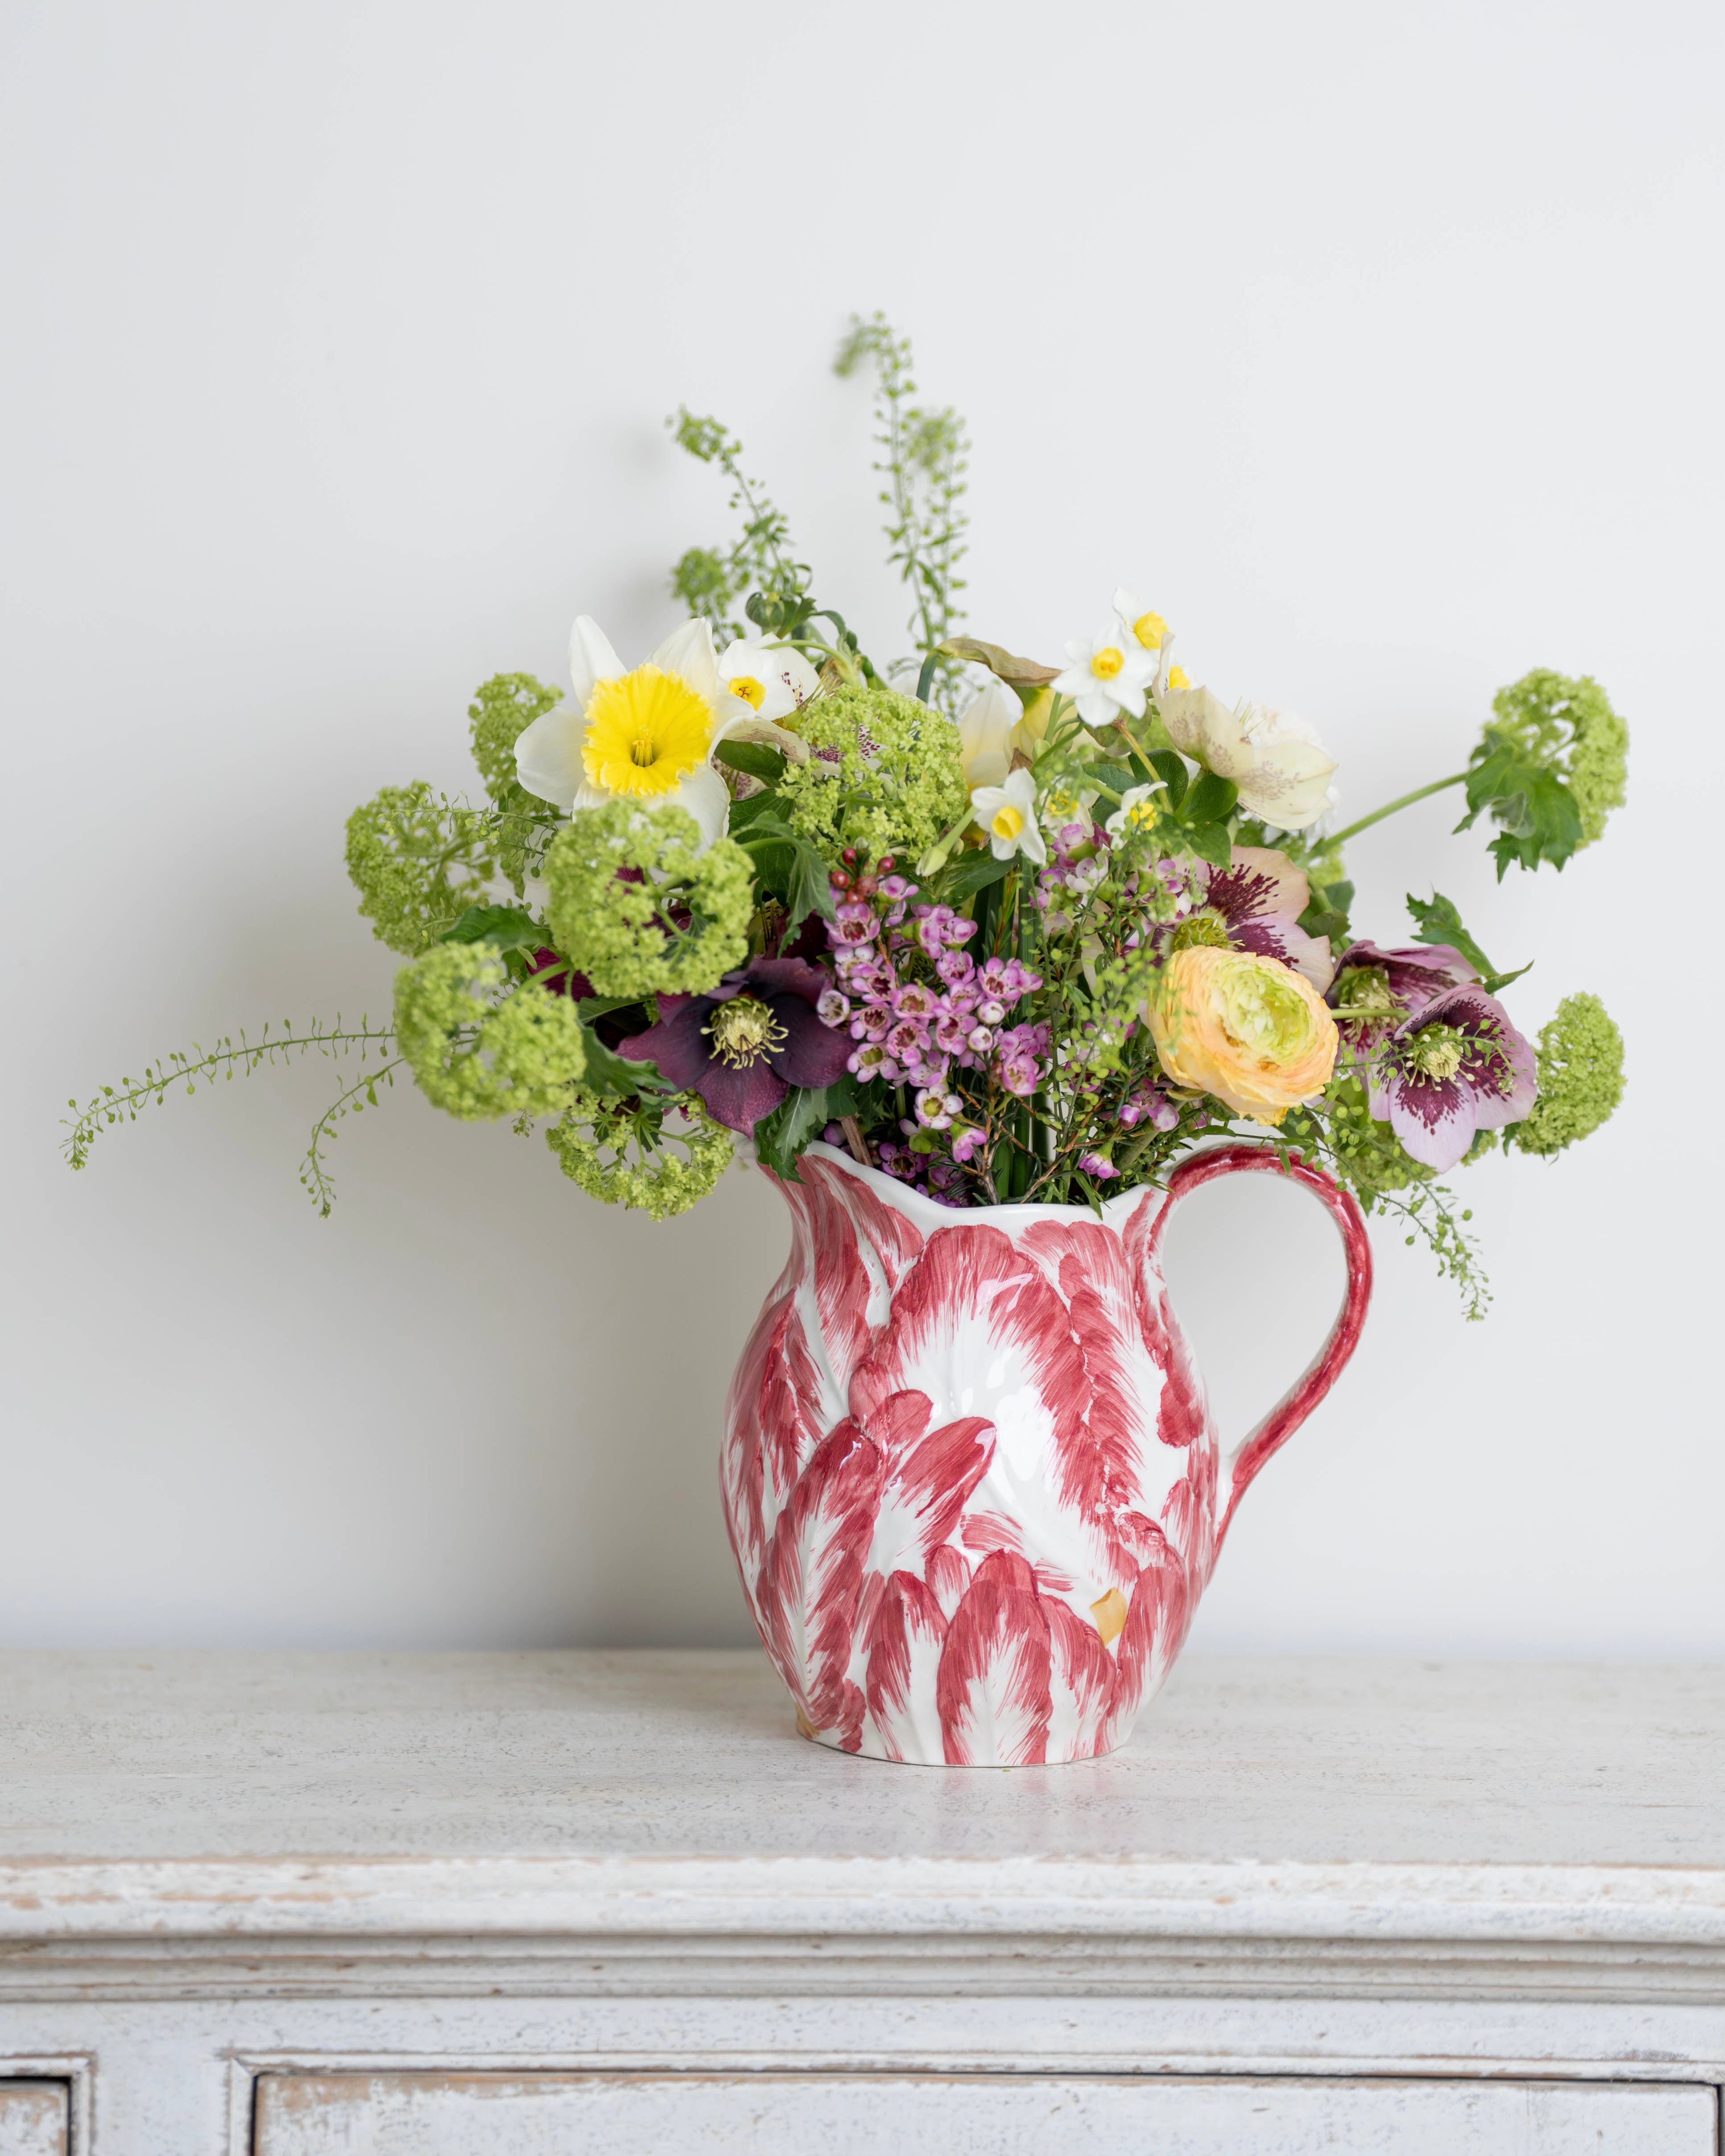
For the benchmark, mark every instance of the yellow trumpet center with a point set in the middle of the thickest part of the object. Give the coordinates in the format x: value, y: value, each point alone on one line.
x: 1007, y: 822
x: 646, y: 732
x: 751, y: 690
x: 1178, y: 678
x: 1150, y: 628
x: 1108, y: 663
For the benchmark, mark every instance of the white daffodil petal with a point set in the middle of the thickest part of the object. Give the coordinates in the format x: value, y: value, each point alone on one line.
x: 547, y: 757
x: 703, y: 794
x: 591, y: 660
x: 985, y: 734
x: 589, y: 796
x: 688, y: 650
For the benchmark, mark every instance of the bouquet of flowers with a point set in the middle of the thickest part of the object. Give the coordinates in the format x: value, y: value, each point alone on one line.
x: 1009, y: 932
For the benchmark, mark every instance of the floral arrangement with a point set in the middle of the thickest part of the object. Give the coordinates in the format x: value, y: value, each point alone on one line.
x: 1009, y: 932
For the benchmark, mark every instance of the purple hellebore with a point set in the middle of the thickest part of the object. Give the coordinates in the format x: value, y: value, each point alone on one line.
x: 746, y: 1043
x: 1457, y: 1067
x: 1254, y: 905
x: 1388, y: 987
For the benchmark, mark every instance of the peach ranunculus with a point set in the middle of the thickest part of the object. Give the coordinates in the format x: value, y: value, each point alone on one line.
x: 1251, y: 1031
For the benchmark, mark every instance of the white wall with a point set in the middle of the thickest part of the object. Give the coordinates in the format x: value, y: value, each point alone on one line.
x: 1378, y: 346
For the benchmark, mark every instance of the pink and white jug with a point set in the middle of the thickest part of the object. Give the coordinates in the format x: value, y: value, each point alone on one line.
x: 969, y: 1472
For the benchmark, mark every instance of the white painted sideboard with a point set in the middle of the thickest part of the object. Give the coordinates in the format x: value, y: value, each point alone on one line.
x: 549, y: 1904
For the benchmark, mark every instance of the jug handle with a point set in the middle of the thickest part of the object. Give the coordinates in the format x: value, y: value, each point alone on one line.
x: 1285, y: 1417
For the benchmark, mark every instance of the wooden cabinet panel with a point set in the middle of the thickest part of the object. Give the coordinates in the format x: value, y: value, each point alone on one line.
x: 490, y: 2114
x: 32, y: 2119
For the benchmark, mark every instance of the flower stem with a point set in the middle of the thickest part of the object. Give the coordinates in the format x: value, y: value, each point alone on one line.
x: 1389, y: 807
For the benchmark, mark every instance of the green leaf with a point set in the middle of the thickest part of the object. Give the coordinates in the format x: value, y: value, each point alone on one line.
x: 505, y: 925
x: 1211, y: 843
x: 1170, y: 767
x: 1435, y: 920
x: 595, y: 1007
x: 753, y: 759
x: 1539, y: 816
x: 609, y: 1073
x: 972, y: 873
x: 811, y: 886
x: 758, y: 808
x: 781, y: 1136
x: 1210, y: 801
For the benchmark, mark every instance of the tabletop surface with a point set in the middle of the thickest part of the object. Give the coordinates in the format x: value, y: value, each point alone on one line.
x: 662, y: 1754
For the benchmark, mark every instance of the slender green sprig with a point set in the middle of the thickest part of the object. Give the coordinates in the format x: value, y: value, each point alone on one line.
x: 710, y: 580
x: 1428, y: 1212
x: 925, y: 456
x: 315, y: 1176
x: 230, y: 1059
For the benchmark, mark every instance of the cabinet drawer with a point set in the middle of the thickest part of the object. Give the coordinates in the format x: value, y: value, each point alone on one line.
x: 32, y: 2119
x: 646, y: 2114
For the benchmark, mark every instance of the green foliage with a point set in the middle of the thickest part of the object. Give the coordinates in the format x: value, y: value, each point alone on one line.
x: 792, y: 871
x: 1437, y: 921
x: 1550, y: 770
x: 925, y: 456
x: 898, y: 782
x: 122, y: 1103
x: 619, y: 933
x: 502, y: 710
x: 506, y: 927
x: 1567, y: 720
x: 1429, y: 1217
x: 419, y: 860
x: 623, y: 1154
x: 1368, y: 1155
x: 476, y: 1056
x: 1580, y: 1063
x: 781, y: 1136
x: 710, y: 580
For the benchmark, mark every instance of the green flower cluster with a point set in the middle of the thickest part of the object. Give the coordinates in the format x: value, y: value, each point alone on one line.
x: 1580, y: 1062
x: 501, y: 711
x: 479, y: 1058
x: 621, y: 1155
x: 616, y: 931
x: 419, y: 860
x: 1564, y: 721
x: 894, y: 784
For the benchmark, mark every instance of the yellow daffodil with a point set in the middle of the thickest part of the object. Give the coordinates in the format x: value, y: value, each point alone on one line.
x: 1108, y: 674
x: 772, y: 679
x: 645, y: 734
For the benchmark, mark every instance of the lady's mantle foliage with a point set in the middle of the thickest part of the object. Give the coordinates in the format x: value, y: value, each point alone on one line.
x: 1028, y: 935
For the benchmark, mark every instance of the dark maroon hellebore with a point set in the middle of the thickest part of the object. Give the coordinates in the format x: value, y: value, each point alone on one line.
x: 742, y: 1046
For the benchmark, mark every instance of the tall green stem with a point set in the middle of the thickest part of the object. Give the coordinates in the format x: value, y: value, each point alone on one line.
x: 1389, y: 807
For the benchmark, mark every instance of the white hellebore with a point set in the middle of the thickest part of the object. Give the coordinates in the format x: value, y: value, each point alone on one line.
x: 647, y: 734
x: 1008, y: 813
x: 1107, y: 674
x: 985, y: 734
x: 1276, y: 760
x: 774, y: 679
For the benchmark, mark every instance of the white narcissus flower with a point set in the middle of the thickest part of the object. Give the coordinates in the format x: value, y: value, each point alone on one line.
x: 1109, y: 674
x: 1277, y: 761
x: 1008, y: 813
x: 774, y: 679
x: 1145, y: 627
x: 645, y: 734
x: 1132, y: 810
x: 985, y: 734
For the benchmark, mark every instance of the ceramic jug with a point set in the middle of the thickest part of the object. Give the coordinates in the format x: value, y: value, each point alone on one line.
x: 969, y: 1472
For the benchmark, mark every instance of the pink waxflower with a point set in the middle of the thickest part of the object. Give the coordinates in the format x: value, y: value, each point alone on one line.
x: 833, y: 1009
x: 936, y: 1108
x: 1097, y: 1166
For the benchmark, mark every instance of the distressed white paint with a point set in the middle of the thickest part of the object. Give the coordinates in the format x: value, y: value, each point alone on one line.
x: 788, y: 2115
x: 216, y: 1867
x: 34, y: 2119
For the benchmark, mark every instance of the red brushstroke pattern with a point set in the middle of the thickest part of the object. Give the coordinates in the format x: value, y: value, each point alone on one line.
x: 969, y: 1474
